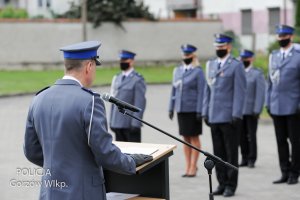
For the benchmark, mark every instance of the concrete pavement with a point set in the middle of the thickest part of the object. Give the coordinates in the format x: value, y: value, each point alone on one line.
x: 254, y: 184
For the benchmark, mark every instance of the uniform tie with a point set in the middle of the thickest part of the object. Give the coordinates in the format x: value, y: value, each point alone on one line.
x: 219, y: 65
x: 123, y: 77
x: 283, y: 56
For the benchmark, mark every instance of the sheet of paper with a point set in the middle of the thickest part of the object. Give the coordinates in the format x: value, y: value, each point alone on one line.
x: 119, y: 196
x: 139, y: 150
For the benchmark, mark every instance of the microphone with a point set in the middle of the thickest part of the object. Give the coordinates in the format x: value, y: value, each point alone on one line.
x: 120, y: 103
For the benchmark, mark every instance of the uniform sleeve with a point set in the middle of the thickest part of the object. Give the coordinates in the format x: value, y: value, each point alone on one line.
x: 172, y: 96
x: 269, y: 86
x: 259, y: 93
x: 206, y: 94
x: 100, y: 141
x: 239, y: 91
x: 200, y: 88
x: 139, y: 101
x: 32, y: 147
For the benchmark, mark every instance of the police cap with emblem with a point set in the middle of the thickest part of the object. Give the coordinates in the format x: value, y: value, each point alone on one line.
x: 188, y: 48
x: 82, y: 51
x: 284, y: 30
x: 222, y: 39
x: 124, y: 55
x: 246, y: 53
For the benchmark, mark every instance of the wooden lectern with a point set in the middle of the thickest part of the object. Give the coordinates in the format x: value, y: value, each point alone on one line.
x: 151, y: 179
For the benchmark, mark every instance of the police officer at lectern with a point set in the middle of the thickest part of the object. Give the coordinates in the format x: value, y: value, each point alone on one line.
x: 66, y: 132
x: 128, y: 86
x: 222, y: 110
x: 254, y: 102
x: 283, y: 103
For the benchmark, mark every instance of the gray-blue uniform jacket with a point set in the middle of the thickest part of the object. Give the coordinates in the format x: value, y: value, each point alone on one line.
x: 283, y: 93
x: 225, y: 92
x: 131, y: 90
x: 187, y: 90
x: 255, y: 92
x: 66, y: 133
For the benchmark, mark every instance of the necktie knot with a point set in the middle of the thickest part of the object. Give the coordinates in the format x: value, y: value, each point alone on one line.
x: 123, y: 77
x: 219, y: 65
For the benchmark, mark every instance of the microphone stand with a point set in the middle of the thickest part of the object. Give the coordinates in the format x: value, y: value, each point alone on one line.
x: 210, y: 161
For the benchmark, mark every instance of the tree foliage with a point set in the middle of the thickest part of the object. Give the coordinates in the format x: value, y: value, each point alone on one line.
x: 116, y: 11
x: 297, y: 16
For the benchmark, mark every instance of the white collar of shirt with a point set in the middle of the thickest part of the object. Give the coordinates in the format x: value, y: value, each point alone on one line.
x: 248, y: 68
x: 223, y: 60
x: 126, y: 73
x: 286, y: 51
x: 188, y: 67
x: 72, y: 78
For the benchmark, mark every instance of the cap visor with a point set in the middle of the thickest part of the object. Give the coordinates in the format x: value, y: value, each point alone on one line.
x: 98, y: 63
x: 219, y: 44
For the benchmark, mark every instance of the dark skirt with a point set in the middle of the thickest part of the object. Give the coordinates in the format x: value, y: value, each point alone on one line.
x: 188, y: 124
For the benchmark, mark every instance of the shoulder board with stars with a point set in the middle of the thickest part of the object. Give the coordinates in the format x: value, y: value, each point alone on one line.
x: 42, y: 90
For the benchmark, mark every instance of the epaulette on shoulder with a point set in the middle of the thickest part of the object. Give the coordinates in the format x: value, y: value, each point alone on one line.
x: 257, y: 69
x: 297, y: 49
x: 90, y: 91
x: 42, y: 90
x: 139, y: 75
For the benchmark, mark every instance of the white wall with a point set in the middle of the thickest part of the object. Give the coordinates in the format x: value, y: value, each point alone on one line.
x: 38, y: 43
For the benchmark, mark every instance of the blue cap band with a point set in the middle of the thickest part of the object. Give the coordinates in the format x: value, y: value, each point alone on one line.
x: 283, y: 29
x: 80, y: 54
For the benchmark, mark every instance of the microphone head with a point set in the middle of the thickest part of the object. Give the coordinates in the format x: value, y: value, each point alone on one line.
x: 105, y: 97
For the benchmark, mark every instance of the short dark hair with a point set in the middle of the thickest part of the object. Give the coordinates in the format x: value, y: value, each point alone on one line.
x: 72, y: 64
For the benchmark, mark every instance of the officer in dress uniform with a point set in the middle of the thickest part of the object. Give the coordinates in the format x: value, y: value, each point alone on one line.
x: 66, y: 132
x: 283, y: 103
x: 186, y: 99
x: 223, y: 110
x: 128, y: 86
x: 254, y: 101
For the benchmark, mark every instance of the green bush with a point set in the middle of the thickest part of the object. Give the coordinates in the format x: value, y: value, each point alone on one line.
x: 13, y: 13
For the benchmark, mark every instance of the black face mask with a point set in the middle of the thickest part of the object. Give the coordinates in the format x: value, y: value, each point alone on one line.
x: 187, y: 61
x: 221, y: 53
x: 284, y: 43
x: 246, y: 63
x: 124, y: 66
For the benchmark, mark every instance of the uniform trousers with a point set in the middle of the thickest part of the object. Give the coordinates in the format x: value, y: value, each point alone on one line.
x: 288, y: 128
x: 225, y: 145
x: 127, y: 134
x: 248, y: 138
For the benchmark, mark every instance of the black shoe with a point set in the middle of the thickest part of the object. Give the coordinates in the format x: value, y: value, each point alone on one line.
x: 251, y: 164
x: 292, y: 180
x: 283, y: 179
x: 218, y: 191
x: 228, y: 192
x: 244, y: 163
x: 184, y: 175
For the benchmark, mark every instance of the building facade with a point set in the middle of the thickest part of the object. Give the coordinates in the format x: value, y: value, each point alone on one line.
x: 253, y: 21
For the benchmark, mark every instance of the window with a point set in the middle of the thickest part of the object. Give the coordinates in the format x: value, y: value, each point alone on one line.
x: 40, y: 3
x: 274, y: 19
x: 6, y: 1
x: 246, y: 22
x: 48, y: 3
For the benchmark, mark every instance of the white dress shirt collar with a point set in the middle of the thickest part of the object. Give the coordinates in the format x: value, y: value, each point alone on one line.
x: 126, y: 73
x: 248, y: 68
x: 286, y: 51
x: 223, y: 60
x: 72, y: 78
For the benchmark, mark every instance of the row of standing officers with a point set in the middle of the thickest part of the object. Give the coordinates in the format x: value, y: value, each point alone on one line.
x: 66, y: 130
x: 229, y: 97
